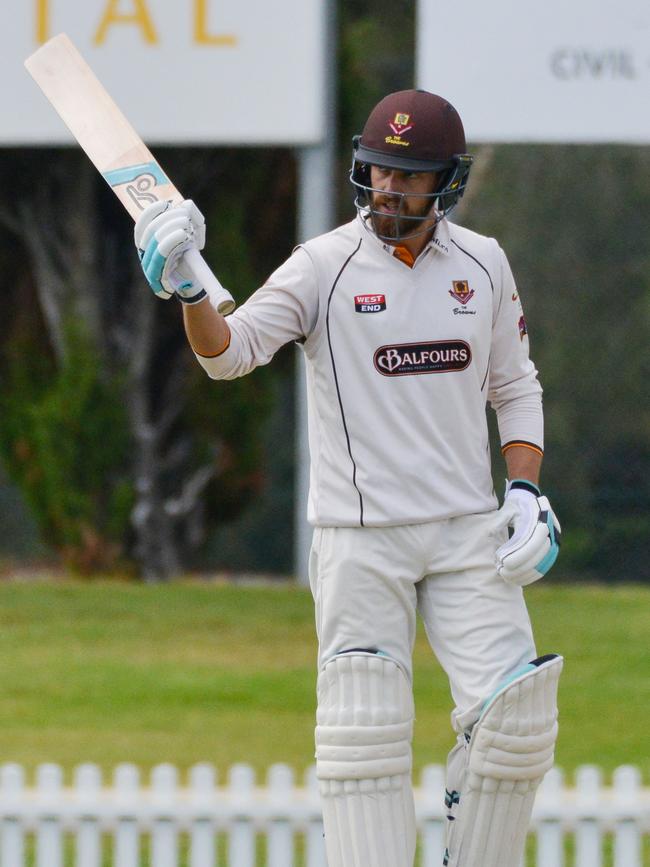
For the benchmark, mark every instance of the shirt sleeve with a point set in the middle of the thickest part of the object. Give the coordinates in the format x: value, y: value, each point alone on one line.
x: 285, y: 308
x: 514, y: 390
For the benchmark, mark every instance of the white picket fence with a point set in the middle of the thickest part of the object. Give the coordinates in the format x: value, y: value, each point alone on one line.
x: 42, y: 818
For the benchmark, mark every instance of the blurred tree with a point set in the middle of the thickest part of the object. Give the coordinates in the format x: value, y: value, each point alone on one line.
x: 106, y: 421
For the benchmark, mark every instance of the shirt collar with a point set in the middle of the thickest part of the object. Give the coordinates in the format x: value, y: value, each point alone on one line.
x: 441, y: 238
x: 439, y: 243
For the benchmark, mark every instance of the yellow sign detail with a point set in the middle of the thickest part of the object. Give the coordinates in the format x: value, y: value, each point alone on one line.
x: 42, y: 21
x: 139, y: 15
x: 117, y: 12
x: 201, y: 34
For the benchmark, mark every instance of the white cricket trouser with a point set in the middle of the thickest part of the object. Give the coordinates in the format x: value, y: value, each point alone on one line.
x: 368, y: 583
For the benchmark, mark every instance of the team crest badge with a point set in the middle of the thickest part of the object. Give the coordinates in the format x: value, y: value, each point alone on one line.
x: 401, y: 123
x: 461, y: 291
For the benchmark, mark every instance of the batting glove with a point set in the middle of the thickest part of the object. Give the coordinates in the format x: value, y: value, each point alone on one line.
x: 163, y: 233
x: 535, y: 542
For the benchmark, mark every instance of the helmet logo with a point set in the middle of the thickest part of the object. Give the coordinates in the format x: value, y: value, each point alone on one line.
x: 399, y: 126
x: 401, y: 123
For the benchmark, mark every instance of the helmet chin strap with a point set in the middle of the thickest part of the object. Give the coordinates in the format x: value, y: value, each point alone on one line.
x: 445, y: 198
x: 373, y: 215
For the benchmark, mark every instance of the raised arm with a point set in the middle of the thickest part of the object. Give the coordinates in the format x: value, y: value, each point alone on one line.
x: 282, y: 310
x: 207, y: 331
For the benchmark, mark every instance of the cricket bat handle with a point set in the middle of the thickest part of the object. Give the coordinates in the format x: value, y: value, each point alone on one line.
x: 220, y: 298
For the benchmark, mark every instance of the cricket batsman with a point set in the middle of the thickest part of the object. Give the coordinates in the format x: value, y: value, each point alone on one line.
x: 410, y: 325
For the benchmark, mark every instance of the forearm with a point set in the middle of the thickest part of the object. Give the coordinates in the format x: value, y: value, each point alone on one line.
x: 207, y: 331
x: 523, y: 463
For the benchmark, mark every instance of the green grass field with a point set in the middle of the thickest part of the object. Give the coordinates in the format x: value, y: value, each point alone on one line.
x: 110, y: 672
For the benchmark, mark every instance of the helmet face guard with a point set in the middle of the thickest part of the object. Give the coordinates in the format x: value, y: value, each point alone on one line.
x: 453, y: 172
x: 411, y: 131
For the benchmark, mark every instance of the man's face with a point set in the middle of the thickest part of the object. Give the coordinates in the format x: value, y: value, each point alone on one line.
x: 387, y: 204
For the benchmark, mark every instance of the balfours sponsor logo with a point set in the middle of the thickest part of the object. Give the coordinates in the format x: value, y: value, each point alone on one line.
x: 369, y: 303
x: 439, y: 356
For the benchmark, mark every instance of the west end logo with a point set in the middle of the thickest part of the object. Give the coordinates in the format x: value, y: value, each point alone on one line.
x: 461, y: 291
x: 438, y: 356
x: 369, y: 303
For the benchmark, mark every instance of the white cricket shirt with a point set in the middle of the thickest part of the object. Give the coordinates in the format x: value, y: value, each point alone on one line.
x: 400, y: 364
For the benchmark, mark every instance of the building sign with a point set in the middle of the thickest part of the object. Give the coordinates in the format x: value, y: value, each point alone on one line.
x: 558, y: 71
x: 183, y: 71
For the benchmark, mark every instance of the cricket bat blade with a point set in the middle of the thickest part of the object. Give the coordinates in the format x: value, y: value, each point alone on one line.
x: 111, y: 143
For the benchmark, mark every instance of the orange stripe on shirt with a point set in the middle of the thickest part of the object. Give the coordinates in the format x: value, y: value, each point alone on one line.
x: 221, y: 351
x: 523, y: 445
x: 404, y: 255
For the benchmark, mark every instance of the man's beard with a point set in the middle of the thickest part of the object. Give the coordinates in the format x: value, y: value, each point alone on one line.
x: 390, y: 227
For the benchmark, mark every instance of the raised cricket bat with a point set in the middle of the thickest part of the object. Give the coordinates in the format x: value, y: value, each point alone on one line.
x: 114, y: 147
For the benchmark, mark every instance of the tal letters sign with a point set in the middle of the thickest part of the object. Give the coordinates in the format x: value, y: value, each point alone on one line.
x: 184, y: 71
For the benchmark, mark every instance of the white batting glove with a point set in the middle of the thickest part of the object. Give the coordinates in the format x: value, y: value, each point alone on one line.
x: 535, y: 542
x: 163, y: 233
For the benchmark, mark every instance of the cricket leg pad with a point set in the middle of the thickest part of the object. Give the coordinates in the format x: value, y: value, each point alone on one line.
x: 363, y: 761
x: 493, y: 778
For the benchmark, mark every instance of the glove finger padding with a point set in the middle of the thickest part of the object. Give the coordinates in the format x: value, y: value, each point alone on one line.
x: 505, y: 516
x: 163, y: 234
x: 175, y: 217
x: 144, y: 221
x: 159, y: 230
x: 534, y: 545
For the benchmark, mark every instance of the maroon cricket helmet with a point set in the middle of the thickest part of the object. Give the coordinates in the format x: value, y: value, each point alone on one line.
x: 413, y: 131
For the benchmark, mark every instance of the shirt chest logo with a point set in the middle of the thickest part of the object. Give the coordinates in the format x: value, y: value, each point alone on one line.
x: 369, y: 303
x: 461, y: 291
x: 436, y: 356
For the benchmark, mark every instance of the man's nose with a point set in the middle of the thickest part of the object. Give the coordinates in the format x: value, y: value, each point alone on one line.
x: 391, y: 183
